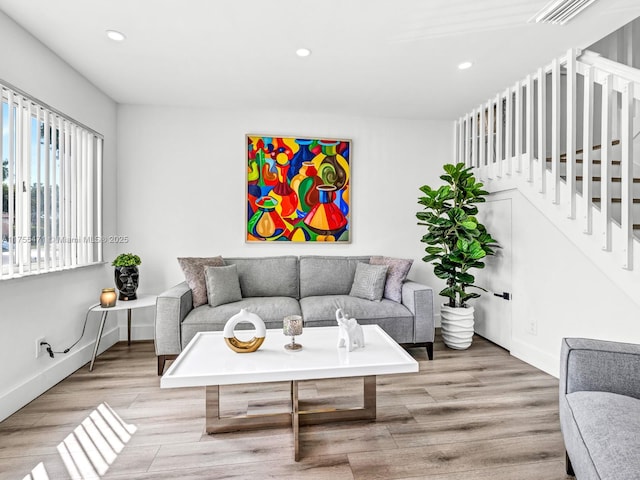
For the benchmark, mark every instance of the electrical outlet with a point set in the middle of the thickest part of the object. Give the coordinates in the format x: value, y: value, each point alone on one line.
x: 533, y: 327
x: 39, y: 348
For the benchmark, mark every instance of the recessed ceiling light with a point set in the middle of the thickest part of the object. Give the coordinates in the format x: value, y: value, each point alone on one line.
x: 303, y: 52
x: 465, y: 65
x: 116, y: 36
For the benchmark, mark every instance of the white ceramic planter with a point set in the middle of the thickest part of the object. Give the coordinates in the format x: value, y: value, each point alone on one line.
x: 457, y: 326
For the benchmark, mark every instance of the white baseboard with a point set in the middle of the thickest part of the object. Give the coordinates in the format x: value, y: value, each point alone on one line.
x: 31, y: 389
x: 138, y: 332
x: 536, y: 357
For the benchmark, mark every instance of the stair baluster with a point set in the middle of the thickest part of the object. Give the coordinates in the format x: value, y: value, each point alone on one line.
x: 605, y: 186
x: 626, y: 138
x: 555, y: 131
x: 571, y: 133
x: 587, y: 154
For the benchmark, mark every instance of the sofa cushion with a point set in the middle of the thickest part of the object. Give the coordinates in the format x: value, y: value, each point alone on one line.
x: 393, y: 318
x: 327, y: 275
x: 368, y: 281
x: 223, y: 285
x: 396, y: 275
x: 193, y: 269
x: 608, y: 424
x: 270, y: 309
x: 267, y: 276
x: 591, y: 368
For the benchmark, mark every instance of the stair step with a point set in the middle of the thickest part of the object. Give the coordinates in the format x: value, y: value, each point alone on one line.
x: 614, y: 200
x: 581, y: 151
x: 580, y: 161
x: 595, y: 147
x: 580, y: 178
x: 597, y: 201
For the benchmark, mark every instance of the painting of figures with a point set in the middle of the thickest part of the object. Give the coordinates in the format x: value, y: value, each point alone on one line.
x: 298, y: 189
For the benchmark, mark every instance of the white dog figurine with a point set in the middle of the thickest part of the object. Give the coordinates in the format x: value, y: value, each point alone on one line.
x: 350, y: 333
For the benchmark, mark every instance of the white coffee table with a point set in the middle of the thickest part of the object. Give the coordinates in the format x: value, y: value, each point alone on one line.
x: 208, y: 362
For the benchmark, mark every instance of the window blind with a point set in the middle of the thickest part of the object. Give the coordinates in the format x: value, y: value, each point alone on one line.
x: 51, y: 188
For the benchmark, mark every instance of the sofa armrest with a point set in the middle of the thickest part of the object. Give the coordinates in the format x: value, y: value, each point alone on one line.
x: 172, y: 307
x: 418, y: 299
x: 598, y: 365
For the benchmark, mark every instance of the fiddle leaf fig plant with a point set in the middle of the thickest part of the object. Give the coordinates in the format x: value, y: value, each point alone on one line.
x: 456, y: 241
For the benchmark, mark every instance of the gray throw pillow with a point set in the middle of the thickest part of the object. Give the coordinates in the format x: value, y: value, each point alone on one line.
x: 223, y: 285
x: 396, y: 275
x: 368, y: 282
x: 193, y: 269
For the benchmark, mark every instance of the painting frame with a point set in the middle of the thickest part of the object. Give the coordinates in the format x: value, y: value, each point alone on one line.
x: 298, y: 189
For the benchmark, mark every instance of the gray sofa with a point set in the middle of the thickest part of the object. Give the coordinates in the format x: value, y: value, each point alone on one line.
x: 311, y: 286
x: 600, y: 408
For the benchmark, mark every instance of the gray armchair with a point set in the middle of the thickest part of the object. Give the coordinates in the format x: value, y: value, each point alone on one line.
x: 600, y: 408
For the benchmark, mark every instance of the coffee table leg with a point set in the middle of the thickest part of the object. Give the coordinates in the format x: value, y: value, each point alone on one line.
x: 214, y: 423
x: 212, y: 407
x: 369, y: 394
x: 295, y: 420
x: 217, y: 424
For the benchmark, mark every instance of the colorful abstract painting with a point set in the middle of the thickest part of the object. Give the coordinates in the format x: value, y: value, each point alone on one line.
x: 298, y: 189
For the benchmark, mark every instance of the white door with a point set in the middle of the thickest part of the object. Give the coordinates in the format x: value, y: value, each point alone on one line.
x: 493, y: 313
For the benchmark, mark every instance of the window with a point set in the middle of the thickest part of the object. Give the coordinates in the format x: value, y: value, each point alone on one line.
x: 51, y: 188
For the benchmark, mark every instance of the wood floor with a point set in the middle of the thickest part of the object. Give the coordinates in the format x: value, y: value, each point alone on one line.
x: 477, y: 414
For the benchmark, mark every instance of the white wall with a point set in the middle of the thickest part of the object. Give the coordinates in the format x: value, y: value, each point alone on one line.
x: 559, y: 290
x: 181, y: 184
x: 52, y: 305
x: 621, y: 45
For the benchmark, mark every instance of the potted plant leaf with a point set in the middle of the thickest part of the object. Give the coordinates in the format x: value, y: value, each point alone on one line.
x: 456, y: 244
x: 127, y: 275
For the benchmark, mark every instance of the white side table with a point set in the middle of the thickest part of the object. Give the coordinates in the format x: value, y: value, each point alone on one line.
x: 143, y: 301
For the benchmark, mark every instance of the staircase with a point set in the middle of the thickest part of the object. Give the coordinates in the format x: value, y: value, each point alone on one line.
x: 596, y: 181
x: 565, y: 136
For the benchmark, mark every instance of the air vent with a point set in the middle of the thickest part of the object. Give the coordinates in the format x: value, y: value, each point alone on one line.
x: 561, y: 11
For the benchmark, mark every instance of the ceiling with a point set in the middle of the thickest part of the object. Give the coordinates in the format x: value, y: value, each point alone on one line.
x: 392, y: 58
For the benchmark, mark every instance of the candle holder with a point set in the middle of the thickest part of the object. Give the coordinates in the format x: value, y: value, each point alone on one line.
x: 292, y: 326
x: 108, y: 298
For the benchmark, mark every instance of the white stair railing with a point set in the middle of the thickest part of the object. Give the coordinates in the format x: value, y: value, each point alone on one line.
x: 580, y: 105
